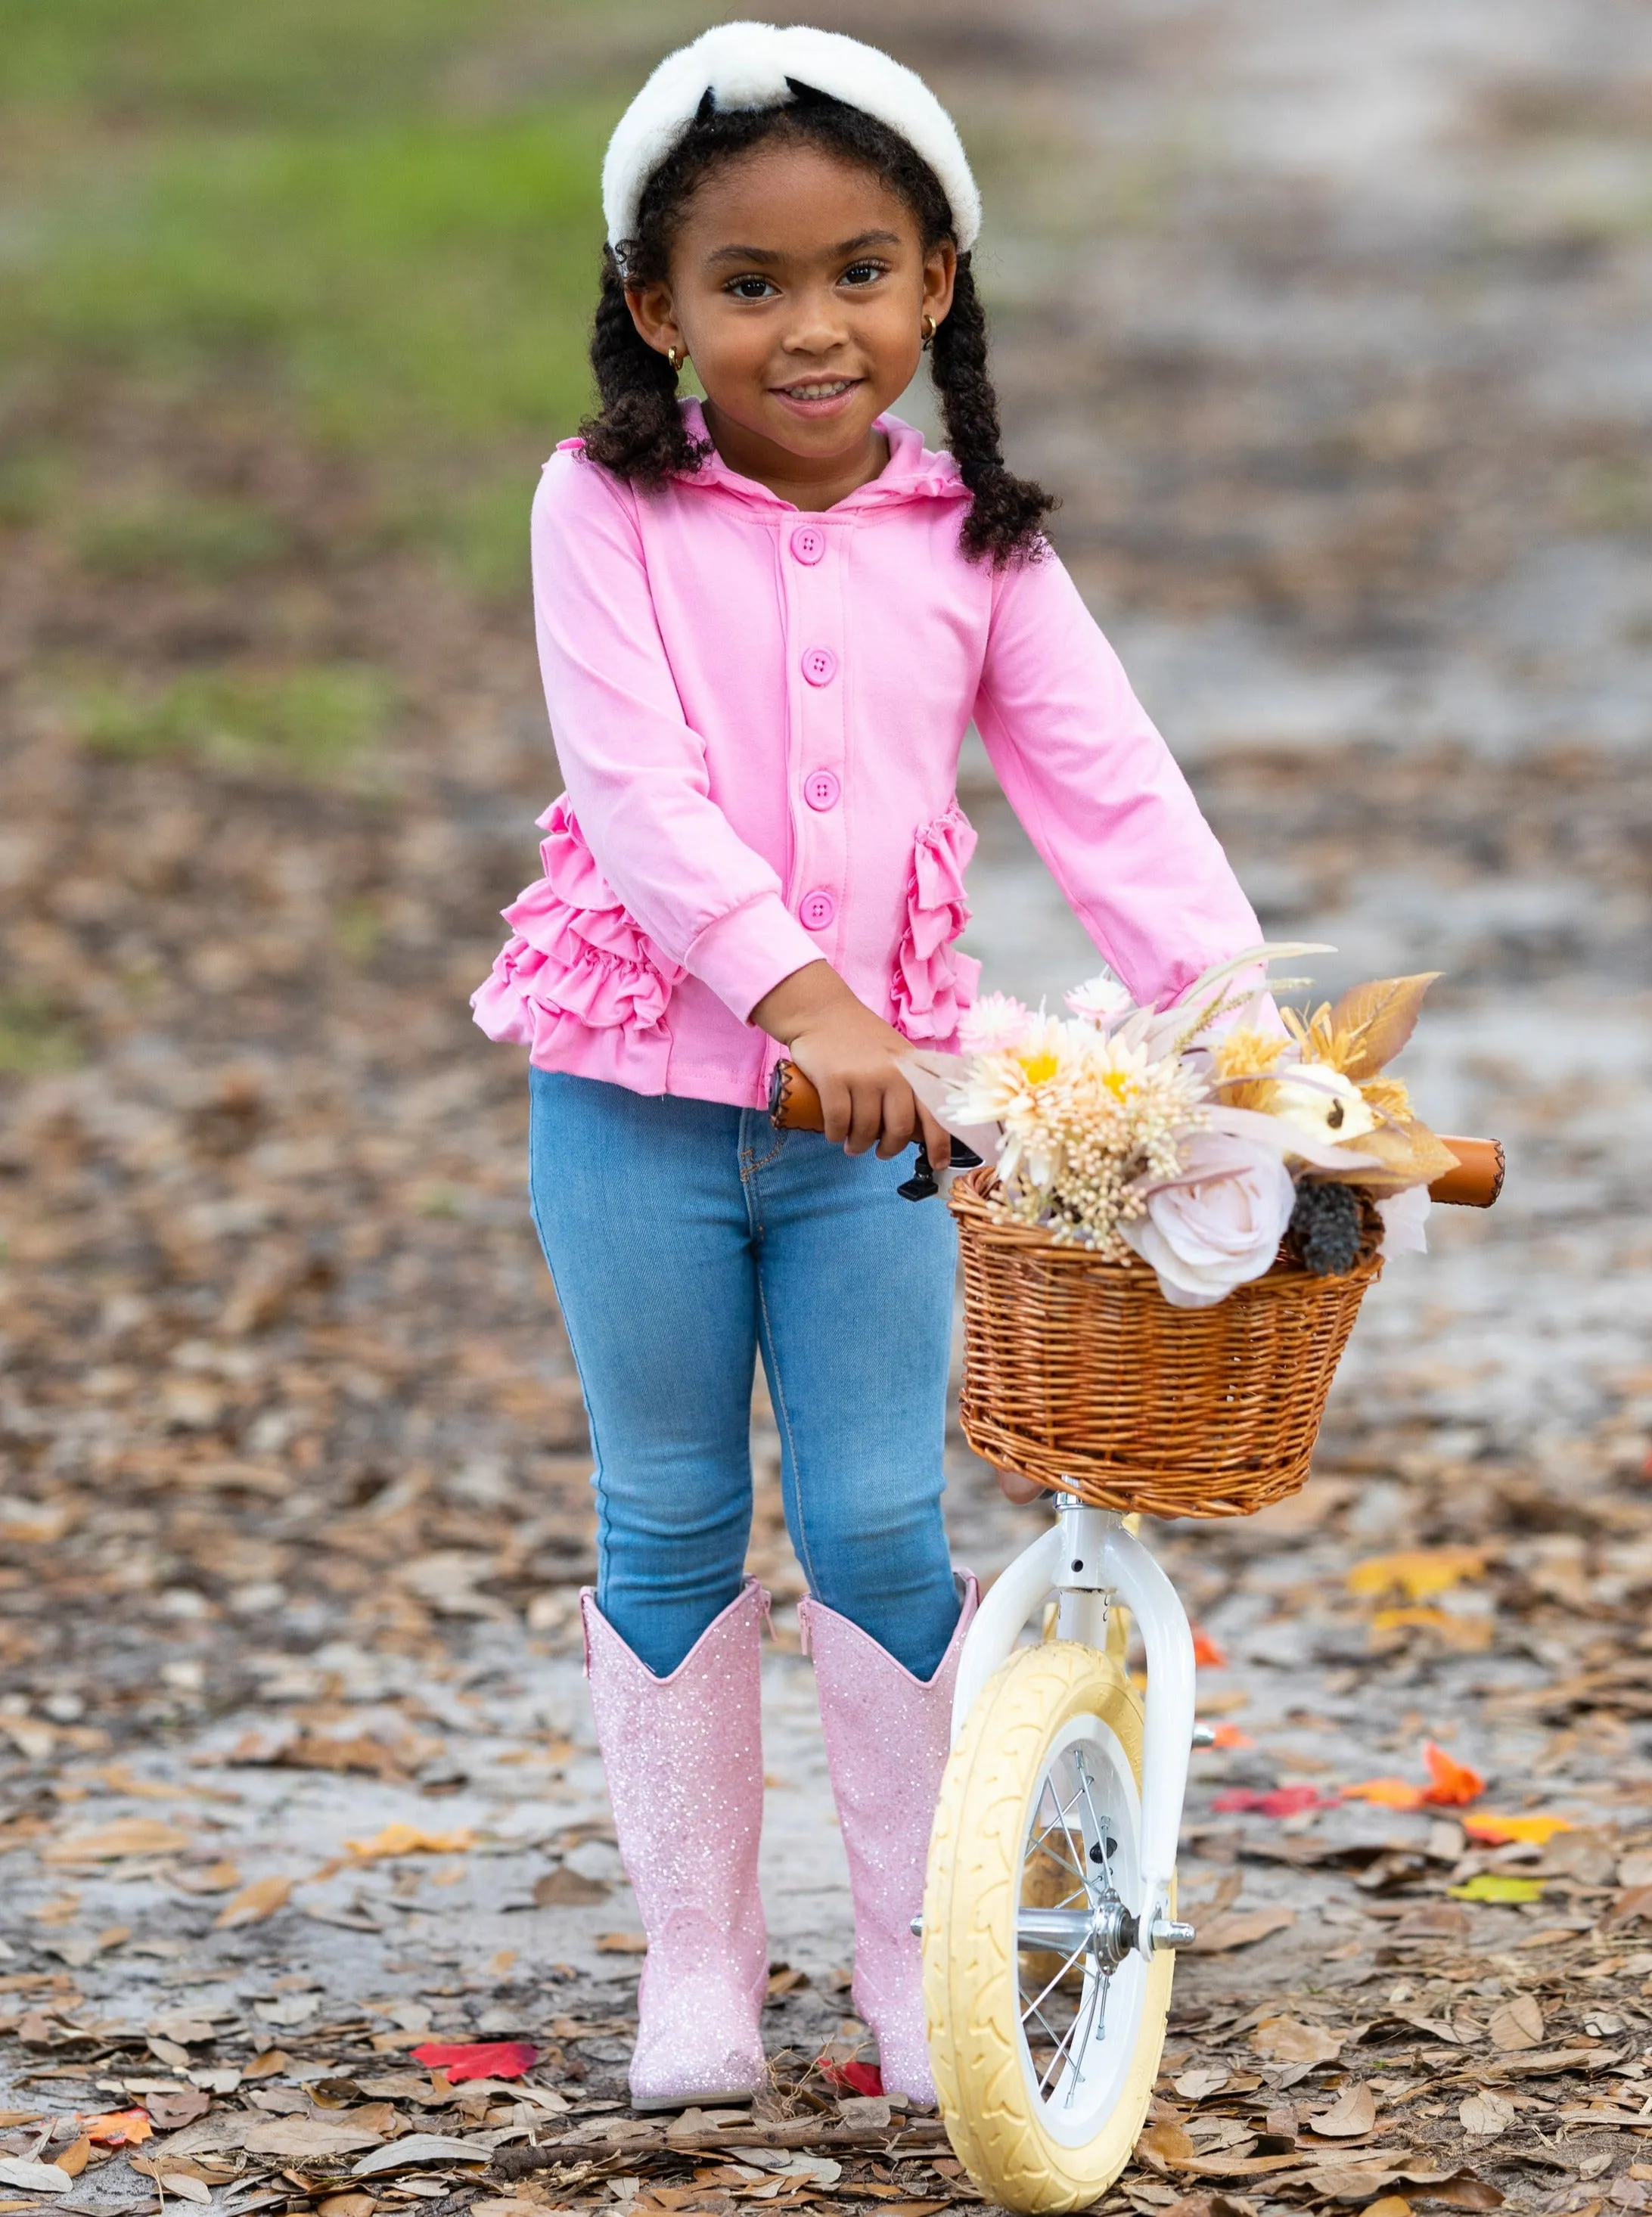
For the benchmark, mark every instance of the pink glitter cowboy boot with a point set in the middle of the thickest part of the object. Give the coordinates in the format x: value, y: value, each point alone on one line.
x: 684, y: 1757
x: 886, y: 1736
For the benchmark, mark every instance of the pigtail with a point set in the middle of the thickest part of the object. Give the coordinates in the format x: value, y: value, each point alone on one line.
x: 639, y: 432
x: 1007, y: 516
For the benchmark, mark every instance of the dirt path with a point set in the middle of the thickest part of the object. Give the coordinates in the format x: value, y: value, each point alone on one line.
x: 1335, y: 338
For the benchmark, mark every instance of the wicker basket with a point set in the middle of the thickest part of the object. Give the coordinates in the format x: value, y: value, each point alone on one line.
x: 1079, y: 1373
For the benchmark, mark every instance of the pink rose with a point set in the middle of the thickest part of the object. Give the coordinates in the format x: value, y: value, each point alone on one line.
x: 1216, y: 1225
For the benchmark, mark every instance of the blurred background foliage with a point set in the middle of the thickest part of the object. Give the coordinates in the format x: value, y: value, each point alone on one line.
x: 379, y: 218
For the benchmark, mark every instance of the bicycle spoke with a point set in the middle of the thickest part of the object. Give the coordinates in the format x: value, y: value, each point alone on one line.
x: 1032, y: 2007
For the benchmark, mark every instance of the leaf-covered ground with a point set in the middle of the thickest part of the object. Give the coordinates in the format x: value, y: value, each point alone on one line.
x: 1332, y: 334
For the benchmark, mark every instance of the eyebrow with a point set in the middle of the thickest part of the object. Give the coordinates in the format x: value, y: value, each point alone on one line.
x: 855, y: 245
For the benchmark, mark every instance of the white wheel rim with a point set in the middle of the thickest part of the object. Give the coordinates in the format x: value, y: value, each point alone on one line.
x: 1078, y: 2039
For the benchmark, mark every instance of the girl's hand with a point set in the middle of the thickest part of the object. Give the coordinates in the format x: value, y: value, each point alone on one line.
x: 848, y: 1054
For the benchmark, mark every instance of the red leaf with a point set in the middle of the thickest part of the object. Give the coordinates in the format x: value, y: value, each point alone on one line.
x: 851, y: 2077
x: 1452, y: 1783
x: 481, y: 2058
x: 1206, y: 1653
x: 1282, y: 1801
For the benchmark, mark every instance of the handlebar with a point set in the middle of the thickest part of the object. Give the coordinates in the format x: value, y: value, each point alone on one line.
x: 795, y: 1106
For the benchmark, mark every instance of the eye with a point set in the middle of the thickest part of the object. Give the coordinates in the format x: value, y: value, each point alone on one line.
x: 864, y: 273
x: 749, y: 287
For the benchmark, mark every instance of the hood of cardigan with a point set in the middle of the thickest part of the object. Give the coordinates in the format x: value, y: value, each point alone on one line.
x: 911, y: 473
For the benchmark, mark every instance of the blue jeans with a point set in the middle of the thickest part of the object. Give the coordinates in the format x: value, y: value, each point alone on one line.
x: 684, y: 1238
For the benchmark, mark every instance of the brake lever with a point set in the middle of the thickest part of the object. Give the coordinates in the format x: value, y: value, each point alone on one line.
x: 923, y: 1182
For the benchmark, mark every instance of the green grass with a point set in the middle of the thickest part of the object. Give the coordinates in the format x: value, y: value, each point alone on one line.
x: 317, y: 723
x: 34, y: 1040
x: 377, y: 218
x: 195, y: 538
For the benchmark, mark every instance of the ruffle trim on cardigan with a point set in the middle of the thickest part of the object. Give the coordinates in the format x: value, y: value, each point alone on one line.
x: 576, y: 959
x: 933, y: 983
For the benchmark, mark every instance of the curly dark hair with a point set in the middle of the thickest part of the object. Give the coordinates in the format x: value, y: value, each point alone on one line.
x: 639, y: 432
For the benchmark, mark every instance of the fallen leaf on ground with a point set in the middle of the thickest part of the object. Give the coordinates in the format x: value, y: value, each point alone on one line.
x: 1207, y: 2079
x: 1354, y: 2112
x: 1231, y: 1736
x: 1162, y: 2144
x: 1206, y: 1653
x: 184, y: 2185
x: 563, y: 1888
x: 1386, y: 1793
x: 1418, y: 1572
x: 851, y: 2077
x: 207, y: 1877
x: 1518, y: 2023
x: 1497, y: 1832
x: 1287, y: 2040
x: 119, y: 2127
x: 254, y: 1903
x: 363, y: 2204
x: 75, y: 2158
x: 410, y: 1840
x: 171, y: 2110
x: 1464, y: 2190
x: 1239, y: 1928
x: 1390, y: 2205
x: 1451, y: 1784
x: 37, y: 2177
x: 108, y: 1844
x: 621, y: 1943
x: 270, y: 2064
x: 1498, y: 1886
x: 1486, y: 2115
x: 296, y: 2140
x: 1469, y: 1633
x: 1279, y: 1801
x: 497, y: 2059
x: 416, y: 2148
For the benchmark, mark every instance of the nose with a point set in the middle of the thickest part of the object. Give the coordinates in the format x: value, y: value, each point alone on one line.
x: 817, y: 326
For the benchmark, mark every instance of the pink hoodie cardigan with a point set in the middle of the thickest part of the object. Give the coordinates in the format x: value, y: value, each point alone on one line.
x: 757, y: 713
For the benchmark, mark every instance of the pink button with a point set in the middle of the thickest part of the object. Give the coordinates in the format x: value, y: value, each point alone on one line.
x: 808, y: 543
x: 820, y: 665
x: 821, y: 789
x: 817, y: 909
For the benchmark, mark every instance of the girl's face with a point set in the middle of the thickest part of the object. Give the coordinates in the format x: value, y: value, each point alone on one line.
x: 798, y: 287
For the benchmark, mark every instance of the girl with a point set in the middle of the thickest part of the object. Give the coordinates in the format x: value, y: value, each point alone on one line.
x: 765, y: 622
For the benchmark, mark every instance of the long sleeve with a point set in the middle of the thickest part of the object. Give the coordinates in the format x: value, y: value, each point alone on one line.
x: 1099, y: 793
x: 635, y: 770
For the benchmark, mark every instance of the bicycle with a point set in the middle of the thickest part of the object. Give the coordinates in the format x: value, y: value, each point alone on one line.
x: 1049, y: 1927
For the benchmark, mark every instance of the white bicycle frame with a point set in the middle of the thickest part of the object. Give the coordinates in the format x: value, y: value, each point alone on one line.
x: 1085, y: 1560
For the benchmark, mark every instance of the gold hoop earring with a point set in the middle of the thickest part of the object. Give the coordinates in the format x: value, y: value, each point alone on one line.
x: 929, y: 333
x: 675, y: 359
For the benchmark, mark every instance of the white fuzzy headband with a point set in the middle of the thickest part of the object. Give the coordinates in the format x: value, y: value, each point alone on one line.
x: 747, y: 65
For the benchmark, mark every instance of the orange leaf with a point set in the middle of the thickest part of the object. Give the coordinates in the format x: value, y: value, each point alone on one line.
x: 1231, y: 1736
x: 1388, y: 1792
x: 1497, y: 1830
x: 1452, y: 1783
x: 254, y: 1903
x: 1206, y: 1653
x: 402, y: 1839
x: 1418, y: 1572
x: 118, y: 2128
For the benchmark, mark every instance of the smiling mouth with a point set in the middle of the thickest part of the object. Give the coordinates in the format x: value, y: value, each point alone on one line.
x: 819, y: 389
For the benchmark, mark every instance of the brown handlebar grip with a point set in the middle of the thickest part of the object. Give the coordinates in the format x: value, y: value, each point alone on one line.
x: 1478, y: 1178
x: 795, y: 1106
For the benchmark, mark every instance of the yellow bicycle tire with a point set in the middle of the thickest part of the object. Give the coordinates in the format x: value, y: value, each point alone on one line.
x: 972, y: 1999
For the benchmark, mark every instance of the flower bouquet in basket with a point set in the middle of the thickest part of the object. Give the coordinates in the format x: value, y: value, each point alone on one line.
x: 1258, y: 1163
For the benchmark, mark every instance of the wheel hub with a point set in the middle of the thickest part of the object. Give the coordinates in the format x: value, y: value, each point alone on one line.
x: 1106, y: 1932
